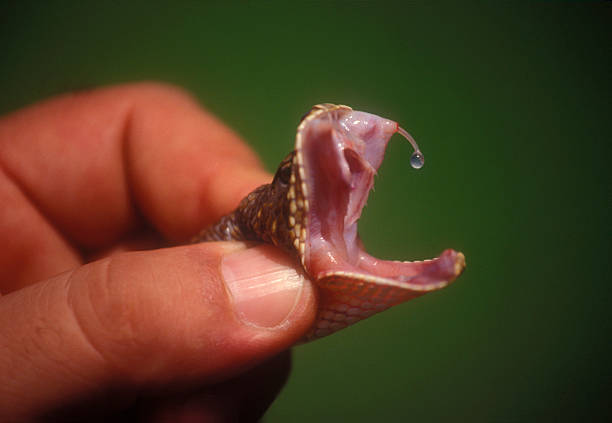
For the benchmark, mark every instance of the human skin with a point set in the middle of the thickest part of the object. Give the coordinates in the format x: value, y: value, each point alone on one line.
x: 97, y: 319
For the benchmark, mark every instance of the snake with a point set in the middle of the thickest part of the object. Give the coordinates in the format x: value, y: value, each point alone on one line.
x: 311, y: 209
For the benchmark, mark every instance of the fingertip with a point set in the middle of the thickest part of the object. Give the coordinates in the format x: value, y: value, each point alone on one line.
x: 173, y: 313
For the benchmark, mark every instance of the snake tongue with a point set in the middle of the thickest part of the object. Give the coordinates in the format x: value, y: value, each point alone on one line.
x: 342, y: 153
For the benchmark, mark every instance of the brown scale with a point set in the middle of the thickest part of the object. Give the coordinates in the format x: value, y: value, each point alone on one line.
x: 263, y: 215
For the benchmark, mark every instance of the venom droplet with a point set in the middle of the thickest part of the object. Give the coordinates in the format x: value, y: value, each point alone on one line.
x: 417, y: 160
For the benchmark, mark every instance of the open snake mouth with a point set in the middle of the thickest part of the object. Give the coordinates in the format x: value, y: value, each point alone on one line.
x: 341, y: 151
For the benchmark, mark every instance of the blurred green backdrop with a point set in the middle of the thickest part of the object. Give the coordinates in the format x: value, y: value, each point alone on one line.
x: 511, y: 104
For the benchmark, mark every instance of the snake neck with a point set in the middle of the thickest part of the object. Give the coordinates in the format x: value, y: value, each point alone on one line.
x: 262, y: 216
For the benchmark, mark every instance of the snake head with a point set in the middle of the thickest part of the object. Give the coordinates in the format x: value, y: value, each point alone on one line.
x: 311, y: 210
x: 337, y: 154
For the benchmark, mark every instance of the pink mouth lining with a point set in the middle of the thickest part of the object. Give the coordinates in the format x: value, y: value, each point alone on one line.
x: 342, y: 153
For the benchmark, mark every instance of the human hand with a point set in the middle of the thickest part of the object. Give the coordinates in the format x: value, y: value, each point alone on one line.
x: 189, y: 332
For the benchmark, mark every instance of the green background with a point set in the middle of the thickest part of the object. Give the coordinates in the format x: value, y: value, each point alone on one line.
x: 511, y: 104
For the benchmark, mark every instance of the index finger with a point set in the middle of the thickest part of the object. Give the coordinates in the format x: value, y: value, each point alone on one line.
x: 79, y: 171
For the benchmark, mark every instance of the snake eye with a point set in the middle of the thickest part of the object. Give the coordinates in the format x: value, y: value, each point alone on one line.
x: 283, y: 174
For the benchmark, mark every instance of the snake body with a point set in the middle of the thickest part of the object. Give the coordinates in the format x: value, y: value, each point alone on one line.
x: 311, y: 208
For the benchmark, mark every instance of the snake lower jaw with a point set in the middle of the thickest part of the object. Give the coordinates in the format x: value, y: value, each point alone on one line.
x: 415, y: 276
x: 346, y: 297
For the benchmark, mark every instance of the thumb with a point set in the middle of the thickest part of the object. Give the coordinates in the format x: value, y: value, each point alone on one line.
x: 199, y: 313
